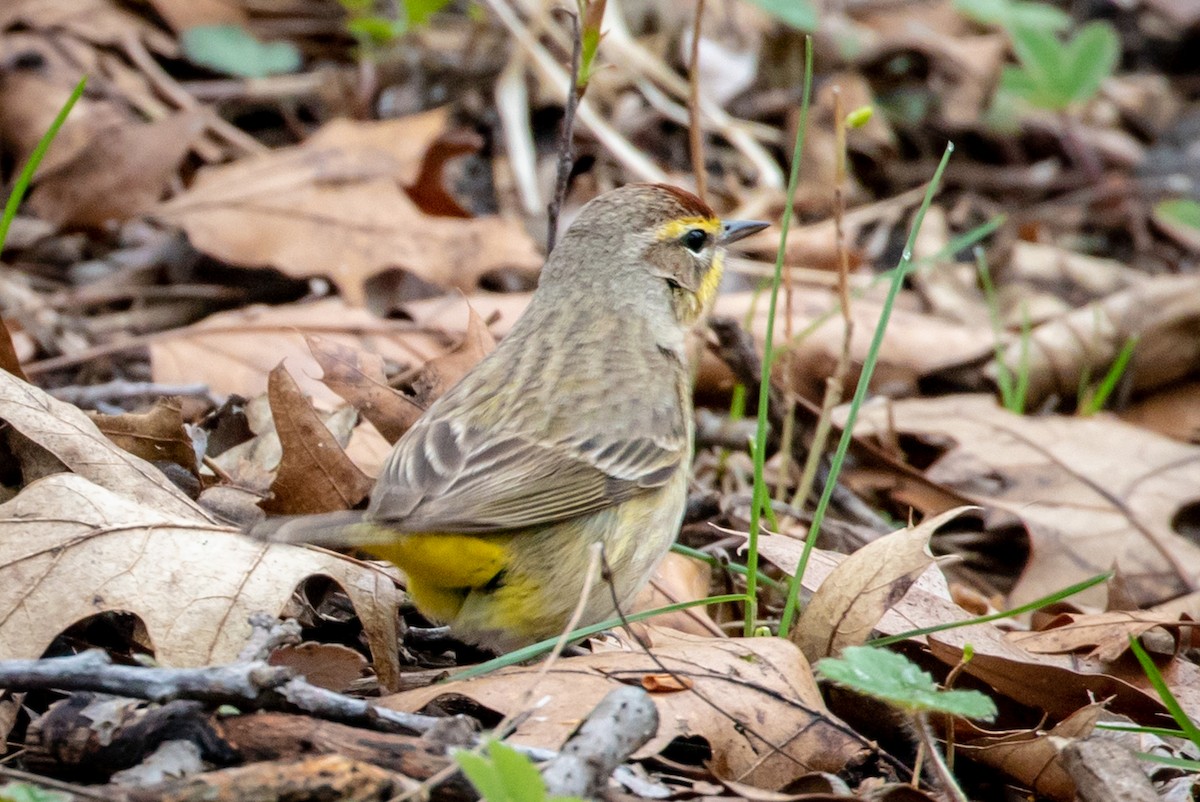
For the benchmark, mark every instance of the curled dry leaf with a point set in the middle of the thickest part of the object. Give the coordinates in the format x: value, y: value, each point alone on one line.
x: 57, y: 436
x: 746, y: 696
x: 233, y: 352
x: 114, y: 535
x: 155, y: 436
x: 122, y: 173
x: 849, y: 603
x: 357, y: 376
x: 1105, y: 635
x: 916, y: 344
x: 1093, y: 493
x: 1163, y: 313
x: 335, y: 206
x: 443, y: 372
x: 314, y: 475
x: 1034, y: 758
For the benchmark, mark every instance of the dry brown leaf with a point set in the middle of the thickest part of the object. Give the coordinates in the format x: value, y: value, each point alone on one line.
x: 326, y: 665
x: 1032, y: 758
x: 1163, y: 313
x: 8, y: 353
x: 1093, y: 493
x: 155, y: 436
x: 314, y: 475
x: 122, y: 173
x: 115, y: 535
x: 1106, y: 635
x: 357, y: 376
x: 748, y: 694
x: 100, y: 22
x: 678, y: 578
x: 70, y: 549
x: 1173, y: 411
x: 443, y: 372
x: 916, y: 344
x: 845, y: 609
x: 334, y: 206
x: 233, y: 352
x: 184, y: 14
x: 58, y: 436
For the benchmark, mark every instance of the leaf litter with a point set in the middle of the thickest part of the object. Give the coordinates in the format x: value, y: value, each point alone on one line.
x: 250, y: 238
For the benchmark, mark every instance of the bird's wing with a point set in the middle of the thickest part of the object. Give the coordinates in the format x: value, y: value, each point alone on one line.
x: 446, y: 478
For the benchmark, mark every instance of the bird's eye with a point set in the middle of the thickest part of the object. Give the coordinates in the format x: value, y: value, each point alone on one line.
x: 695, y: 240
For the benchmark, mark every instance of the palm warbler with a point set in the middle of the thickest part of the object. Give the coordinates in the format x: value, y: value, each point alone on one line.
x: 576, y: 429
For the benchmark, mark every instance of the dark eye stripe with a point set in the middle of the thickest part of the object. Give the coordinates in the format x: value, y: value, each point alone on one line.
x: 695, y: 240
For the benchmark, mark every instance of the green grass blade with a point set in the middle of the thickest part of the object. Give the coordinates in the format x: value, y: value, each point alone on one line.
x: 1099, y: 397
x: 1036, y: 604
x: 860, y: 394
x: 22, y: 184
x: 760, y: 493
x: 1168, y: 699
x: 542, y: 647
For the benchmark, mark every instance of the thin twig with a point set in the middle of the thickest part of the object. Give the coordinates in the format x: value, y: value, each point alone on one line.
x: 566, y: 158
x: 695, y: 124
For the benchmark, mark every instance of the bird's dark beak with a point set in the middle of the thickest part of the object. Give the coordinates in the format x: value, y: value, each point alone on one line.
x: 734, y: 230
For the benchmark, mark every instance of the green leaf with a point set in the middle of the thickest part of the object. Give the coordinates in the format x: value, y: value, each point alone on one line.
x: 1090, y: 57
x: 505, y: 775
x: 859, y: 117
x: 893, y: 678
x: 419, y: 11
x: 1038, y: 15
x: 1040, y: 54
x: 1010, y: 14
x: 1179, y: 211
x: 797, y: 13
x: 376, y: 30
x: 24, y: 792
x: 231, y: 50
x: 483, y: 775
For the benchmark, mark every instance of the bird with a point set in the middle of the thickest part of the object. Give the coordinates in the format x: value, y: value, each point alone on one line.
x: 576, y: 429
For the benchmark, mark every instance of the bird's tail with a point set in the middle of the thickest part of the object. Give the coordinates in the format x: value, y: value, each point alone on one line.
x: 326, y: 529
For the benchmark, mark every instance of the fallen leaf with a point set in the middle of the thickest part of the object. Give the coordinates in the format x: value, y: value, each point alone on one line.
x: 326, y: 665
x: 1163, y: 313
x: 1093, y: 493
x: 334, y: 206
x: 1105, y: 635
x: 314, y: 475
x: 123, y: 172
x: 155, y: 436
x: 70, y: 549
x: 678, y: 578
x: 233, y: 352
x: 8, y: 353
x: 64, y: 434
x: 849, y: 603
x: 747, y: 694
x: 1033, y: 758
x: 357, y: 376
x: 443, y: 372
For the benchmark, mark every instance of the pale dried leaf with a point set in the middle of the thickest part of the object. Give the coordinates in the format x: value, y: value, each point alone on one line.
x: 357, y: 376
x: 314, y: 475
x: 848, y: 605
x: 64, y: 432
x: 335, y: 206
x: 70, y: 549
x: 744, y: 695
x: 233, y: 352
x: 1093, y: 493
